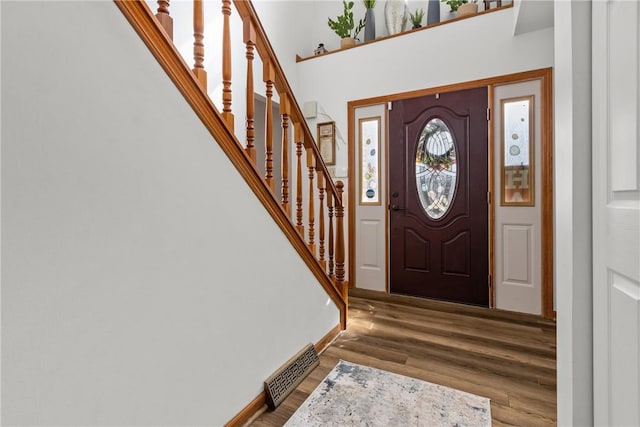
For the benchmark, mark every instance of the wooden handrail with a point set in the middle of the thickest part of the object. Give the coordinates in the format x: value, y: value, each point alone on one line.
x: 192, y: 84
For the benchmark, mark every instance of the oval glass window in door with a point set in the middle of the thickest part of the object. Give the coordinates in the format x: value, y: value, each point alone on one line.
x: 436, y: 168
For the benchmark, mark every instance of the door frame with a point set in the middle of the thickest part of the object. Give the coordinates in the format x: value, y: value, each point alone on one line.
x: 546, y: 102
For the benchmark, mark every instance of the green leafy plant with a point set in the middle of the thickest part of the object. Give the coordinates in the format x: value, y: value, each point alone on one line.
x: 454, y: 4
x: 416, y: 17
x: 344, y: 25
x: 369, y: 4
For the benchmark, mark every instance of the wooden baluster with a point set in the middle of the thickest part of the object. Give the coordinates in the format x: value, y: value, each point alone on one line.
x: 269, y: 78
x: 320, y: 184
x: 330, y: 209
x: 285, y: 110
x: 298, y: 135
x: 250, y: 41
x: 340, y: 242
x: 311, y: 213
x: 198, y: 44
x: 226, y: 64
x: 165, y: 20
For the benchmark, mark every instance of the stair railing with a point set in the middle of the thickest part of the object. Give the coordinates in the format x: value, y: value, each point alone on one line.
x: 324, y: 241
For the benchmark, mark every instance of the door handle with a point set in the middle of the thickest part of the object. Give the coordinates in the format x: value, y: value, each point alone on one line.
x: 395, y: 208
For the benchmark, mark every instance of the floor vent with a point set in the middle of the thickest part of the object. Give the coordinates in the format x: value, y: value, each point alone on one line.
x: 278, y: 386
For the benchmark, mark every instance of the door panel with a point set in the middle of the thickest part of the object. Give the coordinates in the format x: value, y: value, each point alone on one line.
x: 616, y: 213
x: 417, y: 252
x: 455, y: 253
x: 518, y: 254
x: 438, y: 197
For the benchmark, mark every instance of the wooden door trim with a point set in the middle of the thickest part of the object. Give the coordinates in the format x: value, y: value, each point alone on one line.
x: 542, y: 74
x: 547, y: 196
x: 491, y: 207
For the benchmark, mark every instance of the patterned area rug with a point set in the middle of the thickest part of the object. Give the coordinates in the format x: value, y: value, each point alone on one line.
x: 356, y: 395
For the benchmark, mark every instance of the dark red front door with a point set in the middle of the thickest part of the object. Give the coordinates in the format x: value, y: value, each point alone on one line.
x: 438, y: 197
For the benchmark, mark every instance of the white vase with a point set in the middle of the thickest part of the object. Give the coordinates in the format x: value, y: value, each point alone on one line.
x: 395, y: 16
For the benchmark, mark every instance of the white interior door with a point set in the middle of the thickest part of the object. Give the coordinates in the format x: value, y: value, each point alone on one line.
x: 370, y: 197
x: 616, y: 212
x: 517, y: 245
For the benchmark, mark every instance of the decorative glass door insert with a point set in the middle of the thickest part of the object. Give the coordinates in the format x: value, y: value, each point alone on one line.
x: 436, y: 168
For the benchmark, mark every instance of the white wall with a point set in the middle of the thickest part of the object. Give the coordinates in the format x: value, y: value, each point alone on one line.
x: 572, y: 190
x: 286, y: 23
x: 142, y: 281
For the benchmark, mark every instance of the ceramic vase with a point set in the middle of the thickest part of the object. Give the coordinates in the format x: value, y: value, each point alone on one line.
x: 347, y: 42
x: 370, y: 25
x: 468, y: 9
x: 395, y: 16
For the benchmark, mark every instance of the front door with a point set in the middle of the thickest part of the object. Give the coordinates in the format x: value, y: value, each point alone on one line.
x: 438, y: 197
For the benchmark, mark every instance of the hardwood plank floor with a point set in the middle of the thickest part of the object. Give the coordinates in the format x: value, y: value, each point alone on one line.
x: 507, y: 357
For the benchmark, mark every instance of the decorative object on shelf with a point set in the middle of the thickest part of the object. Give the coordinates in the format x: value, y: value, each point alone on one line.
x: 487, y: 4
x: 369, y: 20
x: 320, y: 50
x: 433, y: 12
x: 469, y: 8
x: 454, y: 5
x: 344, y: 25
x: 395, y: 16
x: 327, y: 142
x: 416, y: 18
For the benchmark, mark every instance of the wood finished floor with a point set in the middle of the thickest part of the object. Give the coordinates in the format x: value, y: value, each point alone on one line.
x: 507, y: 357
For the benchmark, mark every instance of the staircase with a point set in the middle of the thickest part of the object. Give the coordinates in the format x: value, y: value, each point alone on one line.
x: 306, y: 204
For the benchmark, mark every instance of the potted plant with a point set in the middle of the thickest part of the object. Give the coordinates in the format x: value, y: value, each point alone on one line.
x: 416, y: 18
x: 344, y: 26
x: 454, y: 4
x: 369, y: 20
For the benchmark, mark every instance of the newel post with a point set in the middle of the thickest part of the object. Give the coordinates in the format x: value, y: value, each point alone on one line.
x: 330, y: 203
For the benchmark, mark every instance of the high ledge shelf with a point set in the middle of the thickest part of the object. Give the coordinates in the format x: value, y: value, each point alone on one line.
x: 426, y: 27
